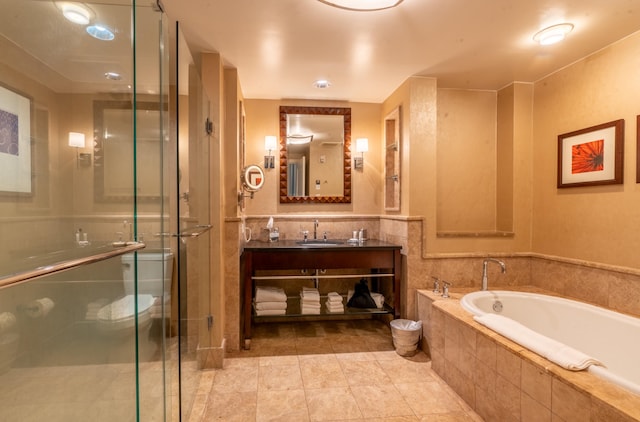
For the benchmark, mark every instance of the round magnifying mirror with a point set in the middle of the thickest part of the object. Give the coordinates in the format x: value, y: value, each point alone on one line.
x: 253, y: 177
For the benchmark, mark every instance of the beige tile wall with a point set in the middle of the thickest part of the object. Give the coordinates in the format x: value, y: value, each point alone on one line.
x: 612, y: 287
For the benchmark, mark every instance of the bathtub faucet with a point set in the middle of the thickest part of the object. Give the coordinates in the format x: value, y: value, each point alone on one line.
x: 485, y: 281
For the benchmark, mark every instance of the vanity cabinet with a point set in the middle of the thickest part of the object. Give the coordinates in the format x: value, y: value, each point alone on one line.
x: 290, y: 264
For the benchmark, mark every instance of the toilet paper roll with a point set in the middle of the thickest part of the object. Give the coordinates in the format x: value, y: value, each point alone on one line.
x: 39, y: 307
x: 7, y: 320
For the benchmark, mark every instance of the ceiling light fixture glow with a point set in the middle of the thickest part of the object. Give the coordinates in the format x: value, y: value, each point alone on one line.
x: 100, y: 32
x: 322, y: 83
x: 75, y: 12
x: 553, y: 34
x: 297, y: 139
x: 362, y: 5
x: 113, y: 76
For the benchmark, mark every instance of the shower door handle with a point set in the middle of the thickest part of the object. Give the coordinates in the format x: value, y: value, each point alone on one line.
x: 189, y: 232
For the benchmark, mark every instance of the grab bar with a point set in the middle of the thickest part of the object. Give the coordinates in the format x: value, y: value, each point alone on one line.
x: 194, y: 231
x: 67, y: 265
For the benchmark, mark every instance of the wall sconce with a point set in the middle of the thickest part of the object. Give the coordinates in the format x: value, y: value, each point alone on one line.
x: 270, y: 144
x: 362, y: 146
x: 76, y: 140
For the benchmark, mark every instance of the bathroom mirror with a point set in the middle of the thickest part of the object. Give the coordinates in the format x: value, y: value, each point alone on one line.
x: 113, y: 147
x: 393, y: 141
x: 315, y: 155
x: 252, y: 178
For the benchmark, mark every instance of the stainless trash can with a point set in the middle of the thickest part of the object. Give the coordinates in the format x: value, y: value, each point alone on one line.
x: 406, y: 336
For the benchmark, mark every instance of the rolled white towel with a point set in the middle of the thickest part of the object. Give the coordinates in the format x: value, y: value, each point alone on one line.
x: 7, y: 320
x: 270, y: 294
x: 263, y: 306
x: 39, y: 307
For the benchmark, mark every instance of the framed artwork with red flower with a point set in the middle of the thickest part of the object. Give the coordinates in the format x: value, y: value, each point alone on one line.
x: 591, y: 156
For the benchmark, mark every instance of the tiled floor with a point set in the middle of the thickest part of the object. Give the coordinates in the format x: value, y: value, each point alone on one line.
x: 326, y: 371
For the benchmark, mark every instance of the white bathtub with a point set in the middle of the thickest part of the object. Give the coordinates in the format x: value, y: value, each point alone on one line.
x: 610, y: 337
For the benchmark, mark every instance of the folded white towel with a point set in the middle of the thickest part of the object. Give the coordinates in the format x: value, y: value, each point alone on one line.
x: 263, y: 306
x: 270, y: 294
x: 555, y: 351
x: 334, y: 297
x: 265, y: 312
x: 314, y: 305
x: 378, y: 298
x: 309, y: 293
x: 305, y: 310
x: 307, y: 299
x: 334, y: 308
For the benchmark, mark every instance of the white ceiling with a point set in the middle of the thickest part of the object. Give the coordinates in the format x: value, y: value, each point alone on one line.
x: 281, y: 46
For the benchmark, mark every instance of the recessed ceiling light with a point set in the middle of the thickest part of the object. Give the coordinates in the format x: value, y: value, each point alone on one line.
x: 75, y: 12
x: 362, y: 5
x: 100, y: 32
x: 113, y: 76
x: 322, y: 83
x: 553, y: 34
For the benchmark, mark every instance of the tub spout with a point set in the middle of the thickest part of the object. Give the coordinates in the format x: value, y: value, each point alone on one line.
x: 485, y: 281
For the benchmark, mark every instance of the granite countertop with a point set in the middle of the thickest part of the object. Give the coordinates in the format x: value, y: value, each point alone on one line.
x: 333, y: 244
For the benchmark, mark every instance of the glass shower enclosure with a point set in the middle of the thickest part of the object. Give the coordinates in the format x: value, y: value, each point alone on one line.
x: 86, y: 274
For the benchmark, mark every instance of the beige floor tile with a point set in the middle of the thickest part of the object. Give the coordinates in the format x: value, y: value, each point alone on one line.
x: 232, y: 407
x: 313, y: 345
x: 278, y: 360
x: 380, y: 401
x: 406, y: 371
x: 281, y: 377
x: 330, y: 371
x: 332, y: 404
x: 426, y: 398
x: 356, y: 356
x: 348, y: 344
x: 282, y: 406
x: 318, y: 374
x: 236, y: 379
x: 360, y: 372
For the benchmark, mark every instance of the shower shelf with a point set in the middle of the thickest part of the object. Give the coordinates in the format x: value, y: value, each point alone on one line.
x: 101, y: 254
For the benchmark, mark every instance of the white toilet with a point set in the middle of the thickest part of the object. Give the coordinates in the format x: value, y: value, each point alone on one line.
x: 116, y: 321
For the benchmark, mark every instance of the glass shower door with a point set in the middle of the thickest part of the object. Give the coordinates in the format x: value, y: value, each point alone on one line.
x: 193, y: 223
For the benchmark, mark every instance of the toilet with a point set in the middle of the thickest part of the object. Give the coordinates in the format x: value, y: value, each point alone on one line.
x: 116, y: 322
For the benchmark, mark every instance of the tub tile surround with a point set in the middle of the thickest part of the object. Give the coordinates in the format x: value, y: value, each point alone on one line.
x: 502, y: 381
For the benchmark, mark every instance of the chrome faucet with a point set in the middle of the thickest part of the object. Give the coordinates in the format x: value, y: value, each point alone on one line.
x: 315, y: 229
x: 485, y: 281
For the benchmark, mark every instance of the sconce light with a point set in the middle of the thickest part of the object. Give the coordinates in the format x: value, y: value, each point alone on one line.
x: 362, y: 146
x: 76, y: 140
x: 270, y: 144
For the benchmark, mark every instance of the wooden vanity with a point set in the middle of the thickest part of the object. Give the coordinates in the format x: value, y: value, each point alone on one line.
x: 284, y: 261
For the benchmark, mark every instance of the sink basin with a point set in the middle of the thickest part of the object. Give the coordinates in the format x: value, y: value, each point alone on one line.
x: 319, y: 242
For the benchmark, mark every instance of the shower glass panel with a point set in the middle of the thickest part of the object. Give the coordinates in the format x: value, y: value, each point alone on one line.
x: 84, y: 328
x: 193, y: 224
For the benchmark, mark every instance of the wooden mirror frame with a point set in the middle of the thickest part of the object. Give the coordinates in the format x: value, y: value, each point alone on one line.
x: 337, y: 111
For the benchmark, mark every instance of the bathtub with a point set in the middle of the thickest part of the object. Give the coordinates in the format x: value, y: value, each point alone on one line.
x: 610, y: 337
